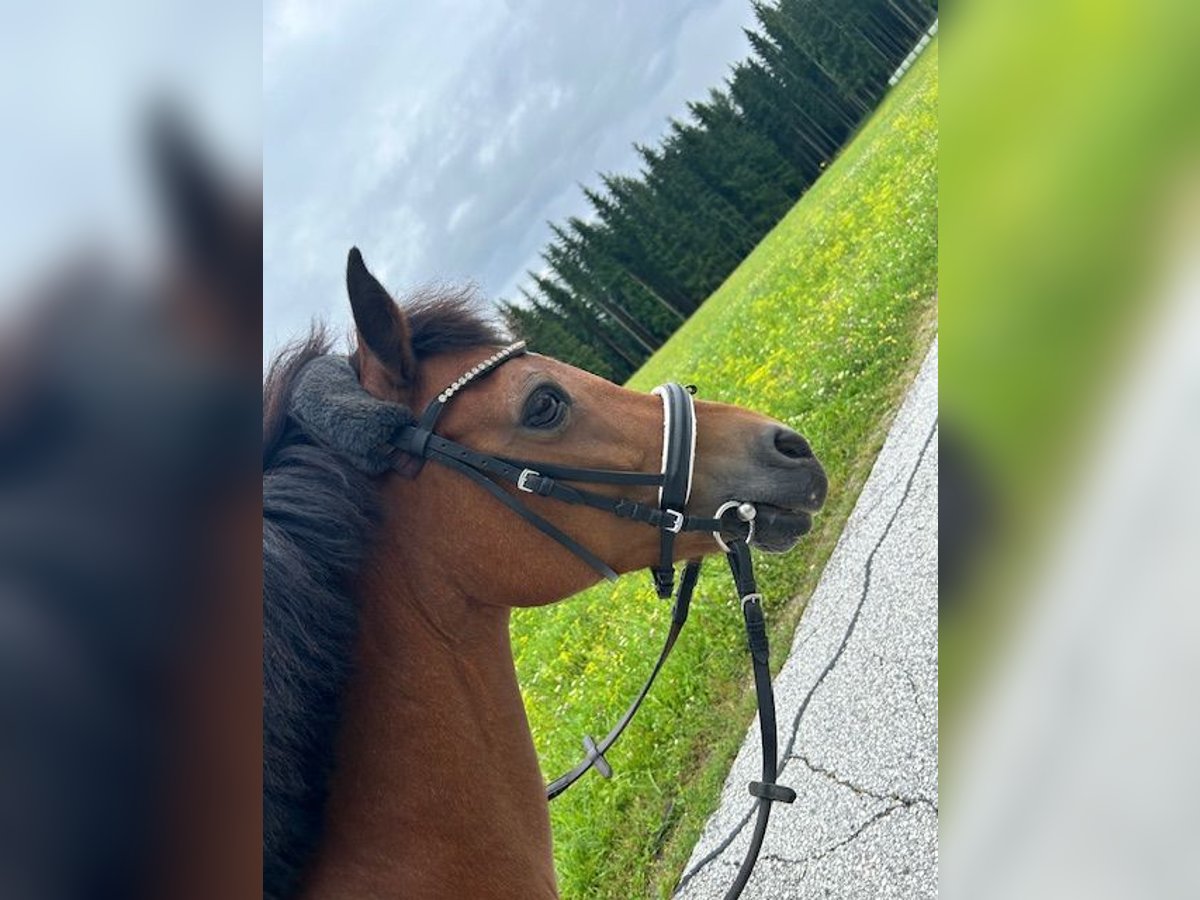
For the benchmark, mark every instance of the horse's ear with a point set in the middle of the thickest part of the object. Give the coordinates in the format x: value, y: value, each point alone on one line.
x: 381, y: 323
x: 214, y: 227
x: 188, y: 185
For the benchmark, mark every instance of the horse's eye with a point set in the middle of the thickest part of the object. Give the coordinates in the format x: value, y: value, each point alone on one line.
x: 544, y: 408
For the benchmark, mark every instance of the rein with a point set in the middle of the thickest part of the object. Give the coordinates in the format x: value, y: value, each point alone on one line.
x: 408, y: 441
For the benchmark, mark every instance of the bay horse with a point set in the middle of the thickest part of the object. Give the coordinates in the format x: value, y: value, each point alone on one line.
x: 130, y: 619
x: 398, y: 760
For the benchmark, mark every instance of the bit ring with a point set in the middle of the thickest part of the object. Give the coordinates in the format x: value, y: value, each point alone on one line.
x: 746, y: 512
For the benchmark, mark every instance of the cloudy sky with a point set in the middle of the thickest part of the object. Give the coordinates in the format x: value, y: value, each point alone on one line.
x: 441, y: 136
x: 73, y: 101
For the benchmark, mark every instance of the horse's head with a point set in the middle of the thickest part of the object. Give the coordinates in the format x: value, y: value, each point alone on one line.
x: 535, y: 408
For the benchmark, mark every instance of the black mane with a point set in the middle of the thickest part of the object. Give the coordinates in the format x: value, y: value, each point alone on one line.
x: 318, y: 513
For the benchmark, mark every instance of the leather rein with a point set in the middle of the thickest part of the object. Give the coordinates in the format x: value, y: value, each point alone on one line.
x: 419, y: 441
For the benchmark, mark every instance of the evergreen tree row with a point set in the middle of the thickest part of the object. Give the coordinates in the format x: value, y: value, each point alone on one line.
x: 616, y: 286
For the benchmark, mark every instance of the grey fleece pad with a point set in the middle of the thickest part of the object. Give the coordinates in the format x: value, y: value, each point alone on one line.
x: 334, y: 410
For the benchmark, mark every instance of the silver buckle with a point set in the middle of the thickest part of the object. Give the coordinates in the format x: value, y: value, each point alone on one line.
x: 525, y: 475
x: 752, y: 598
x: 676, y: 526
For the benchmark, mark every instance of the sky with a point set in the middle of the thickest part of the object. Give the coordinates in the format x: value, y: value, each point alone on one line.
x: 73, y: 101
x: 440, y: 137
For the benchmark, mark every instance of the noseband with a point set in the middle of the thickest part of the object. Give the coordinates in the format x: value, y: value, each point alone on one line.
x: 404, y: 441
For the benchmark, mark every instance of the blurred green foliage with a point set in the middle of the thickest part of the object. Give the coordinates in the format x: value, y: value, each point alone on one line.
x: 821, y: 327
x: 1068, y: 130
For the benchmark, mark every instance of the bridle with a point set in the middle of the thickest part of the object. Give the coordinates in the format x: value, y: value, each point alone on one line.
x: 407, y: 441
x: 674, y: 482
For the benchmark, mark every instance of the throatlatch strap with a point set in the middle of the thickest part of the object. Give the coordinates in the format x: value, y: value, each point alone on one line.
x: 528, y: 515
x: 595, y: 752
x: 534, y: 481
x: 587, y: 476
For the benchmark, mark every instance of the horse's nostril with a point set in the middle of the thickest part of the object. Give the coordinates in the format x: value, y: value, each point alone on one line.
x: 792, y: 445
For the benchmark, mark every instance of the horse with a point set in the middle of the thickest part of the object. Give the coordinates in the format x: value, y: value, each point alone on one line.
x: 130, y: 618
x: 397, y: 755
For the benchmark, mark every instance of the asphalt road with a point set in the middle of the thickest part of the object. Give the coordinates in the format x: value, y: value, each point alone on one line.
x: 857, y: 702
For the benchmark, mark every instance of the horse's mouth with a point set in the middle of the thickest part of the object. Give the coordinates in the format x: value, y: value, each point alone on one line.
x: 777, y: 530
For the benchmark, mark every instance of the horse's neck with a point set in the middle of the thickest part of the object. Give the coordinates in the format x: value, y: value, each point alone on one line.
x: 437, y: 791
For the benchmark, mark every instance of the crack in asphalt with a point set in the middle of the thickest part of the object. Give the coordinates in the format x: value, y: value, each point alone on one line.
x: 850, y: 838
x: 789, y: 750
x: 887, y: 664
x: 859, y: 789
x: 916, y: 695
x: 833, y: 848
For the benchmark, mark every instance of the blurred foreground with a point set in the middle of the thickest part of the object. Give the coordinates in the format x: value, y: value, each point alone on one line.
x: 1070, y: 403
x: 130, y: 297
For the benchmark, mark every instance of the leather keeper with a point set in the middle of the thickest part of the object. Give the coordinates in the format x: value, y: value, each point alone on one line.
x: 776, y: 793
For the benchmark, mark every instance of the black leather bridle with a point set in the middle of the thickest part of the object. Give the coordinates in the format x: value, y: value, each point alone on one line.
x: 418, y: 441
x: 674, y: 482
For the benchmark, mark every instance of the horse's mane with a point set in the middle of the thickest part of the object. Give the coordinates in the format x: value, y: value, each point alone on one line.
x: 318, y: 513
x: 115, y: 449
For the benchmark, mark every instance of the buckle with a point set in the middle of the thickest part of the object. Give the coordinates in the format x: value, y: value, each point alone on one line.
x: 677, y: 525
x: 523, y: 479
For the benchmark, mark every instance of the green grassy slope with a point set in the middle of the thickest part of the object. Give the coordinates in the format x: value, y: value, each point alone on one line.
x: 820, y: 327
x: 1071, y: 183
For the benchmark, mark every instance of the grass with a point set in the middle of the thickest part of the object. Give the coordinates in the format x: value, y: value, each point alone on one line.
x: 822, y: 327
x: 1062, y: 175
